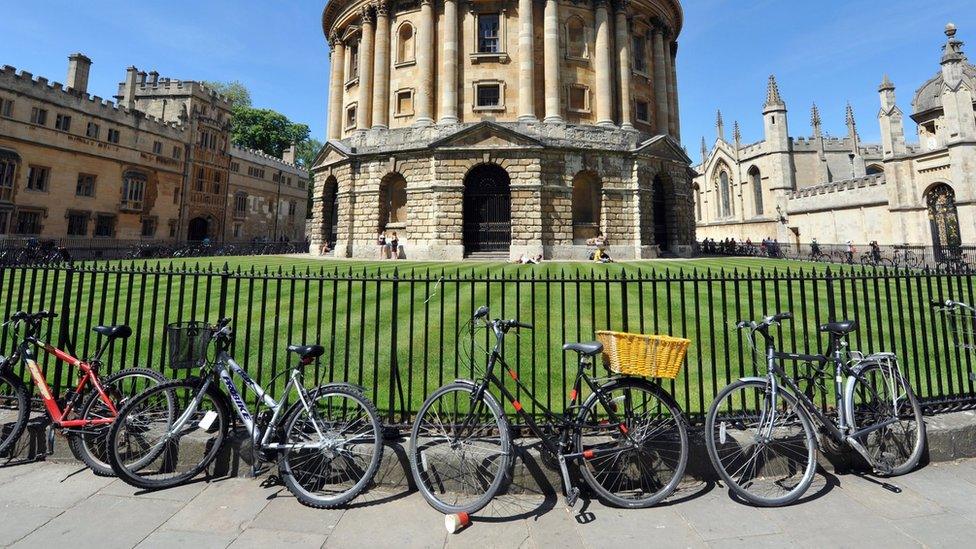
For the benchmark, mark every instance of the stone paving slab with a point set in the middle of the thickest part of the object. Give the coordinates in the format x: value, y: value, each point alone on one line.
x: 60, y: 505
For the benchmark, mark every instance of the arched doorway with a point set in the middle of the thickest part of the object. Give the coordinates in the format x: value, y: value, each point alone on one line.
x: 330, y: 205
x: 199, y: 229
x: 393, y: 201
x: 944, y: 220
x: 660, y: 208
x: 587, y: 202
x: 487, y: 210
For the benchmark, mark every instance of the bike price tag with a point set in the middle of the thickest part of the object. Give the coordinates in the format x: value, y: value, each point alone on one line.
x: 208, y: 419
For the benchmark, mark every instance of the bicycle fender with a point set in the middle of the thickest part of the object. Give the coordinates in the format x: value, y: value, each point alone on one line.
x: 747, y: 379
x: 356, y: 386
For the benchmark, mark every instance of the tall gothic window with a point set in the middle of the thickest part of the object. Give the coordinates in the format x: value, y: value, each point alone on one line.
x: 757, y: 193
x: 488, y: 27
x: 724, y: 188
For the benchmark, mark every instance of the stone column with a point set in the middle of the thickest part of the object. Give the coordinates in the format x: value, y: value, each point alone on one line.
x: 336, y: 86
x: 381, y: 66
x: 425, y: 65
x: 526, y: 55
x: 449, y: 110
x: 675, y: 113
x: 662, y: 124
x: 604, y: 81
x: 623, y: 56
x: 365, y: 71
x: 669, y: 74
x: 550, y: 50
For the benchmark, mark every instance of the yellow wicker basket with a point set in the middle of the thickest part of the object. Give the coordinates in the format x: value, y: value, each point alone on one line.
x: 643, y: 355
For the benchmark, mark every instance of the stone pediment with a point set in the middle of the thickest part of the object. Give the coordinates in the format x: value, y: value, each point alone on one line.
x: 331, y: 153
x: 487, y: 135
x: 663, y: 146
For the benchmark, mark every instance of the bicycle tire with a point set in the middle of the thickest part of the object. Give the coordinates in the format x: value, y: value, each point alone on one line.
x: 117, y: 434
x: 735, y: 486
x: 89, y: 447
x: 589, y: 410
x: 18, y: 398
x: 287, y: 472
x: 418, y: 457
x: 855, y: 414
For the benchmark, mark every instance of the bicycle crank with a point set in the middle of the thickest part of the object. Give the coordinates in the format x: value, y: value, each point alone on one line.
x: 878, y: 467
x: 572, y: 492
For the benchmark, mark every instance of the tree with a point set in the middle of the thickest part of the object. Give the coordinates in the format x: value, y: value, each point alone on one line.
x: 266, y: 130
x: 305, y: 157
x: 235, y: 91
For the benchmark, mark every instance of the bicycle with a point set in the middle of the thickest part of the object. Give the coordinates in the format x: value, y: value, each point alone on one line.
x: 906, y: 258
x: 759, y: 430
x: 960, y: 319
x: 82, y: 414
x: 461, y: 450
x: 328, y: 444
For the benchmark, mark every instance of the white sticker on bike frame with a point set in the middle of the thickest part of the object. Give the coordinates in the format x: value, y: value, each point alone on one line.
x: 208, y: 420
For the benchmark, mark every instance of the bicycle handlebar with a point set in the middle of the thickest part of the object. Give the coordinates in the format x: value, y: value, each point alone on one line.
x: 765, y: 322
x: 950, y: 305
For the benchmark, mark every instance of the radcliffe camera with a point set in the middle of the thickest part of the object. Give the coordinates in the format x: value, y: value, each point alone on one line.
x: 492, y: 273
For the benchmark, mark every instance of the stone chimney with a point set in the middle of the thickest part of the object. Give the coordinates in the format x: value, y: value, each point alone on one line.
x: 129, y: 91
x: 289, y: 154
x: 153, y: 78
x: 78, y: 68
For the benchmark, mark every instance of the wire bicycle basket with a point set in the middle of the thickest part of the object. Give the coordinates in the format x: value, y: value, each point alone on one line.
x: 188, y: 343
x: 961, y: 323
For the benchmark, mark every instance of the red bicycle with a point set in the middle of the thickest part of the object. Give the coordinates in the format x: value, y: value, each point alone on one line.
x: 82, y: 414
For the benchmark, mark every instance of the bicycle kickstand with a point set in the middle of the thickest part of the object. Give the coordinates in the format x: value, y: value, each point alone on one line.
x: 572, y: 492
x: 49, y: 438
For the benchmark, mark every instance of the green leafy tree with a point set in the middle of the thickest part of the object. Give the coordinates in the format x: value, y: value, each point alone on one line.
x: 236, y: 91
x: 266, y: 130
x: 305, y: 157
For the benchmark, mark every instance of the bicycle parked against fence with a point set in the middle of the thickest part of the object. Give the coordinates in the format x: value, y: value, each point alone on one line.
x: 628, y: 436
x: 960, y: 319
x: 327, y: 445
x: 84, y: 413
x: 760, y: 433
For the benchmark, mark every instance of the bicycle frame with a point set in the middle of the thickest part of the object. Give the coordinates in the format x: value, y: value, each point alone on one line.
x: 88, y: 375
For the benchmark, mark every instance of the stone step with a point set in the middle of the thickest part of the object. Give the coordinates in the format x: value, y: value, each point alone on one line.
x: 488, y: 256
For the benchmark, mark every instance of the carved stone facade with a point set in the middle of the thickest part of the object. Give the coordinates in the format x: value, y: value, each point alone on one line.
x: 524, y: 128
x: 840, y: 189
x: 156, y: 165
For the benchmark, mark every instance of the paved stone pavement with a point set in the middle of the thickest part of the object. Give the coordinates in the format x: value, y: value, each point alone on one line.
x: 52, y: 505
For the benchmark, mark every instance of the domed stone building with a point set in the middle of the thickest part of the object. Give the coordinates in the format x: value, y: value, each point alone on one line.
x: 489, y: 128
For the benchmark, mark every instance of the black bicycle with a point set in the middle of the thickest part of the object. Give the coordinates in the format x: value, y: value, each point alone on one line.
x: 628, y: 435
x: 759, y: 430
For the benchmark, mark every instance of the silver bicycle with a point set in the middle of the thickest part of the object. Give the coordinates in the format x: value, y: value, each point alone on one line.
x: 327, y: 445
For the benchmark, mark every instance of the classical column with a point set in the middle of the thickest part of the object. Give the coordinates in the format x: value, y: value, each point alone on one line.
x: 604, y: 82
x: 662, y: 124
x: 675, y: 113
x: 550, y: 51
x: 336, y: 86
x: 425, y: 66
x: 381, y: 66
x: 668, y: 74
x: 526, y: 53
x: 450, y: 62
x: 623, y: 55
x: 365, y: 71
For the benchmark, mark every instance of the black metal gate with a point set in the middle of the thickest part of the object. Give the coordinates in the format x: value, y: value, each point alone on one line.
x: 944, y: 220
x: 487, y: 225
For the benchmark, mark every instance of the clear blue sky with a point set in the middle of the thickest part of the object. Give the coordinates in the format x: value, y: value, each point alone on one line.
x: 828, y: 51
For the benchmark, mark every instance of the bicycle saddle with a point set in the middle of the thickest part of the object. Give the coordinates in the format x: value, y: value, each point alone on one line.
x: 113, y: 332
x: 586, y: 349
x: 307, y: 351
x: 839, y: 328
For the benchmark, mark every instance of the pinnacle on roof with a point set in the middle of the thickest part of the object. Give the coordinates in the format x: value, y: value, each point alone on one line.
x: 952, y: 51
x: 736, y: 133
x: 718, y: 118
x: 886, y: 84
x: 773, y: 97
x: 815, y: 119
x: 704, y: 149
x: 850, y: 116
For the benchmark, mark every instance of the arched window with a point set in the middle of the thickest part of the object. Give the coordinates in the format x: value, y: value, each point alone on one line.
x: 576, y: 46
x: 875, y: 169
x: 405, y: 44
x: 755, y: 178
x: 393, y: 194
x: 587, y: 201
x: 725, y: 189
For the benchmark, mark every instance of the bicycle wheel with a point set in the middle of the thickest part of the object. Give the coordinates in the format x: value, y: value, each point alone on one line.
x: 161, y: 438
x: 89, y: 444
x: 345, y: 437
x: 765, y: 450
x: 879, y: 393
x: 460, y: 452
x: 14, y: 410
x: 639, y: 459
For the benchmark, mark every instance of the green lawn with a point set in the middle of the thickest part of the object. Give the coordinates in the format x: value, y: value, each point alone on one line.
x: 349, y: 307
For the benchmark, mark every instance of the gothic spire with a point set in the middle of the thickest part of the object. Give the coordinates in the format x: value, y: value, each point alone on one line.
x: 736, y: 133
x: 720, y: 126
x: 851, y: 124
x: 773, y: 98
x: 815, y: 122
x: 886, y: 84
x: 704, y: 150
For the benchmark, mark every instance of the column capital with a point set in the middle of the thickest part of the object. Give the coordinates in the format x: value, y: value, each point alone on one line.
x: 621, y: 6
x: 367, y: 14
x: 597, y: 4
x: 382, y: 8
x: 426, y: 2
x: 660, y: 26
x: 334, y: 40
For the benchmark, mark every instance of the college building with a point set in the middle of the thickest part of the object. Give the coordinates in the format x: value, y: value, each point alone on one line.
x: 155, y: 164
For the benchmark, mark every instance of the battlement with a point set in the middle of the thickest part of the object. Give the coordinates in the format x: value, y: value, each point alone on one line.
x: 55, y: 92
x: 264, y: 158
x: 155, y: 85
x: 839, y: 186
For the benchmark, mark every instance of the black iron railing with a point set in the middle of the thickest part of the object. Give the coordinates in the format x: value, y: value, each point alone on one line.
x: 401, y: 335
x: 21, y: 251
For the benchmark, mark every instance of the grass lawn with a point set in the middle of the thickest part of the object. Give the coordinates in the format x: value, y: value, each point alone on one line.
x: 350, y: 307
